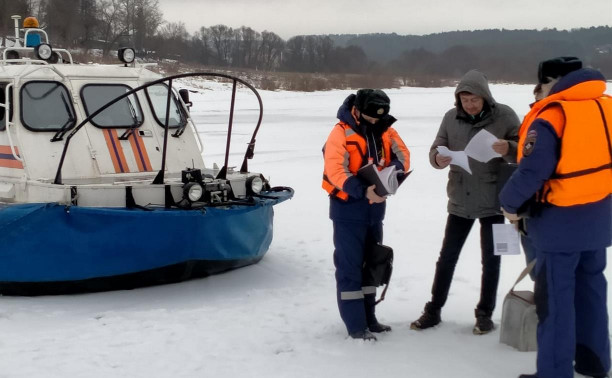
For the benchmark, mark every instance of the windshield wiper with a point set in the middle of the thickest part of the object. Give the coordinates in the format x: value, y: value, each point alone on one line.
x: 182, y: 126
x: 65, y: 127
x: 134, y: 126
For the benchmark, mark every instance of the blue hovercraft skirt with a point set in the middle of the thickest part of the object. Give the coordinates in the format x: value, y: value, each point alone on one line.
x: 53, y: 249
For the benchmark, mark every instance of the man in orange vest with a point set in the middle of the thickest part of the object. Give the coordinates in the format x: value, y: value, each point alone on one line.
x: 363, y: 135
x: 565, y: 163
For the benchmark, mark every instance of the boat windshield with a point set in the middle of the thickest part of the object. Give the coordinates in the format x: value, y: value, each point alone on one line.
x: 46, y: 106
x: 124, y: 113
x: 158, y: 98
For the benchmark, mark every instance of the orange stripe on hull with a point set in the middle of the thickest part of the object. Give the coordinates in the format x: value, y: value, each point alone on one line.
x: 7, y: 160
x: 120, y: 152
x: 140, y: 153
x: 116, y: 151
x: 7, y: 150
x: 111, y: 149
x: 7, y: 163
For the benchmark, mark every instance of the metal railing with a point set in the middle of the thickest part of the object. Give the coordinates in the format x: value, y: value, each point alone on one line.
x: 159, y: 179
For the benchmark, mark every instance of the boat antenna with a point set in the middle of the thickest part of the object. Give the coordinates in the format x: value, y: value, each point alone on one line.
x: 16, y: 18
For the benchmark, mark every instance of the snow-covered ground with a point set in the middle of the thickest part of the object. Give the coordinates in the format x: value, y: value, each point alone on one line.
x: 279, y: 318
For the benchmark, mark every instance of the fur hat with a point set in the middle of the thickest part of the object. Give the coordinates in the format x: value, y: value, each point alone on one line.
x: 372, y: 102
x: 557, y: 67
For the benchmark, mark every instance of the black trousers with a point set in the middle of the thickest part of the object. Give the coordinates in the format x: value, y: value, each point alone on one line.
x: 455, y: 234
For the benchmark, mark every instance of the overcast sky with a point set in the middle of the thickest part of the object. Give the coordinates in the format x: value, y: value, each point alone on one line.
x: 289, y: 18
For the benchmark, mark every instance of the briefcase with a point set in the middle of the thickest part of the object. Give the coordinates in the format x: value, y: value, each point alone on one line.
x: 519, y: 319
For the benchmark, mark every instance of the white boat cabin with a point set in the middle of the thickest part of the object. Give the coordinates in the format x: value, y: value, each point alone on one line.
x: 44, y: 96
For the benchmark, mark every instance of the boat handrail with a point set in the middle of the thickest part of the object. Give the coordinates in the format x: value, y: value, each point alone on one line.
x: 195, y: 131
x: 37, y: 30
x: 9, y: 123
x: 159, y: 179
x: 38, y: 68
x: 21, y: 61
x: 30, y: 61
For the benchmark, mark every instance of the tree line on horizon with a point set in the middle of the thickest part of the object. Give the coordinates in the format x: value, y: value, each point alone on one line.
x: 431, y: 60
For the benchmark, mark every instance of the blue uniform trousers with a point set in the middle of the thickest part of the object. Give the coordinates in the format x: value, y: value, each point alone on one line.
x: 571, y: 302
x: 356, y: 304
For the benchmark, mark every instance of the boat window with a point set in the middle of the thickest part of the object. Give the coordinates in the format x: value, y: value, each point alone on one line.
x: 49, y: 106
x: 124, y: 113
x: 158, y: 98
x: 4, y: 104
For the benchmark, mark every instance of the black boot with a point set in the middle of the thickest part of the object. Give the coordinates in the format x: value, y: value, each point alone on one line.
x: 370, y: 310
x: 364, y: 335
x: 528, y: 376
x: 429, y: 318
x: 484, y: 324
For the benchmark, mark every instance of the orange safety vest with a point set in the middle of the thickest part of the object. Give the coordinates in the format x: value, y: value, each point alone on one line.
x: 346, y: 151
x: 584, y: 170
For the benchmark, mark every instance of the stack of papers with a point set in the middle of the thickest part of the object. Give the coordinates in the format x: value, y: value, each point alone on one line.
x: 480, y: 148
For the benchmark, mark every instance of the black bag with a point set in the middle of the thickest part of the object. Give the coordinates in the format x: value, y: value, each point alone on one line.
x: 377, y: 265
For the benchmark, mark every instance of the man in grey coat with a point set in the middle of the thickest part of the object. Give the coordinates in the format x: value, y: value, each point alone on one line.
x: 471, y: 196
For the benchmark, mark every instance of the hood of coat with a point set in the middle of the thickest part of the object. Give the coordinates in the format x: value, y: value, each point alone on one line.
x: 344, y: 115
x: 474, y: 82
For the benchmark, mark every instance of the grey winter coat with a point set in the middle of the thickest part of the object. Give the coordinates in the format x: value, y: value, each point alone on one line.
x: 475, y: 195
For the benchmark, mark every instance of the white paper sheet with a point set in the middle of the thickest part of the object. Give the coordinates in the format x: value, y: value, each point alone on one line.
x: 481, y: 147
x: 459, y: 158
x: 506, y: 240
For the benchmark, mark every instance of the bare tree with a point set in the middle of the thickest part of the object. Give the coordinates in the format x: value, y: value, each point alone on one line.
x: 144, y: 18
x: 270, y: 50
x: 293, y: 59
x: 68, y: 31
x: 112, y: 22
x: 221, y: 37
x: 250, y: 45
x: 201, y: 46
x: 128, y: 22
x: 175, y: 39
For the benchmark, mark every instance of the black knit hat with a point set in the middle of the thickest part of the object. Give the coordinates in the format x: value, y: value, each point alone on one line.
x: 557, y: 67
x: 372, y: 102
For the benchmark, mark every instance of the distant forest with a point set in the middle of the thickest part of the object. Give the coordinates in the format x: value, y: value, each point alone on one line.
x: 98, y: 27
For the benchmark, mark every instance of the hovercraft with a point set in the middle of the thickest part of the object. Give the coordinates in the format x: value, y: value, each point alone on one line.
x: 103, y: 184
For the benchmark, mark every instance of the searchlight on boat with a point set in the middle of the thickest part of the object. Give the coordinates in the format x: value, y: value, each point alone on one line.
x: 193, y: 191
x: 126, y: 55
x: 44, y: 51
x: 254, y: 184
